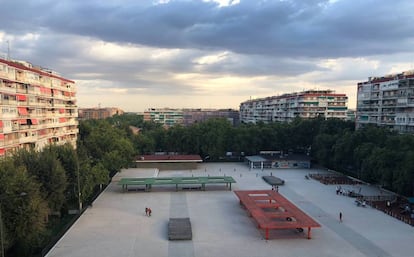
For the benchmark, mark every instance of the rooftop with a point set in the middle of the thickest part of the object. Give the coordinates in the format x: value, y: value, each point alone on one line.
x: 169, y: 158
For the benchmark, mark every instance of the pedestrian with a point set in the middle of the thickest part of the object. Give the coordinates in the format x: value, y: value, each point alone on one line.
x: 277, y: 188
x: 149, y: 212
x: 340, y: 216
x: 146, y: 211
x: 273, y: 188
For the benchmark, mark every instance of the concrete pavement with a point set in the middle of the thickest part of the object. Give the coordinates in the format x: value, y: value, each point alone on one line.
x: 116, y: 225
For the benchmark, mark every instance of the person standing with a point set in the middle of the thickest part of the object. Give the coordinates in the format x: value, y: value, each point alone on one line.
x: 146, y: 211
x: 149, y: 212
x: 340, y: 216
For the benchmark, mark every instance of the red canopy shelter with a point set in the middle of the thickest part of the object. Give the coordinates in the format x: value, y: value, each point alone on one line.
x: 272, y: 211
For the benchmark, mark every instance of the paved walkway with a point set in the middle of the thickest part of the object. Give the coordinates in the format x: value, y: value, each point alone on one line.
x: 116, y: 225
x: 179, y: 209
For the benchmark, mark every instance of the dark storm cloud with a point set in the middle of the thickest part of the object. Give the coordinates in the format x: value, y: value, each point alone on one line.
x: 256, y: 65
x: 260, y: 47
x: 301, y: 28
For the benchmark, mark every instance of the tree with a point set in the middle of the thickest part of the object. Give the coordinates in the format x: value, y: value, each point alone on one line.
x: 47, y: 170
x: 143, y: 144
x: 52, y: 176
x: 24, y: 216
x: 212, y: 142
x: 108, y: 145
x: 68, y: 158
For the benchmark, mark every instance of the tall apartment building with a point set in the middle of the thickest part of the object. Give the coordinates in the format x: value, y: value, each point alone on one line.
x: 387, y: 101
x: 284, y: 108
x: 38, y: 107
x: 170, y: 117
x: 98, y: 113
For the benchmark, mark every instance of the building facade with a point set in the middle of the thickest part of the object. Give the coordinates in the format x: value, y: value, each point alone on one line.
x: 165, y: 116
x: 387, y: 102
x: 192, y: 116
x: 98, y: 113
x: 286, y: 107
x: 38, y: 107
x: 186, y: 117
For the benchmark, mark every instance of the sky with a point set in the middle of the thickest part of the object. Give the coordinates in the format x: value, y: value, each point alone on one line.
x: 140, y: 54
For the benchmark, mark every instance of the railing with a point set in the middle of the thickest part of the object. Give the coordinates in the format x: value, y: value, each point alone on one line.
x: 6, y: 89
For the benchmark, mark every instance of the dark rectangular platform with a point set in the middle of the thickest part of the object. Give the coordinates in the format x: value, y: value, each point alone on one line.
x: 179, y: 229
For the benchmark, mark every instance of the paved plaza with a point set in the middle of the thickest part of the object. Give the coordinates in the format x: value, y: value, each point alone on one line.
x: 116, y: 225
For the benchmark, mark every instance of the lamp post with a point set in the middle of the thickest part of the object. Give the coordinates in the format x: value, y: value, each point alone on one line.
x: 3, y: 197
x: 79, y: 192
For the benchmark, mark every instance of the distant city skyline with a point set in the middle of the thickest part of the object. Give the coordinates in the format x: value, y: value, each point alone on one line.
x: 145, y: 54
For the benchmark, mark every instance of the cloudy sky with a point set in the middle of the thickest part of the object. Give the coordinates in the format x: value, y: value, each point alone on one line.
x: 139, y: 54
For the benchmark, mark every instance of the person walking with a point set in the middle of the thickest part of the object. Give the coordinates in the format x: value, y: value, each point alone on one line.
x: 149, y: 212
x: 340, y: 216
x: 146, y: 211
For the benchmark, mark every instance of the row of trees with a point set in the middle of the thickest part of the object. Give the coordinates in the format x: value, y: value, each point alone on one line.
x: 373, y: 154
x: 37, y: 188
x: 59, y: 177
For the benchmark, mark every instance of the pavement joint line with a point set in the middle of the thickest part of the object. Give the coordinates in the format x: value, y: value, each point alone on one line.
x: 179, y: 209
x: 352, y: 237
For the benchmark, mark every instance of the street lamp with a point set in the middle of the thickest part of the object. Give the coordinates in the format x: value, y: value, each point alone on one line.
x: 3, y: 197
x: 79, y: 192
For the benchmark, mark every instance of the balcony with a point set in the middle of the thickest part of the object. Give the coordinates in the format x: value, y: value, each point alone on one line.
x: 387, y: 121
x: 390, y: 96
x: 7, y: 89
x: 30, y: 139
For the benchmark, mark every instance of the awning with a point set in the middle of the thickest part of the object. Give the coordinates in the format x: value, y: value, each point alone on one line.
x: 45, y: 90
x: 22, y: 110
x: 21, y: 97
x: 34, y: 121
x: 22, y: 121
x: 62, y: 120
x: 2, y: 151
x: 1, y: 124
x: 61, y: 110
x: 1, y: 136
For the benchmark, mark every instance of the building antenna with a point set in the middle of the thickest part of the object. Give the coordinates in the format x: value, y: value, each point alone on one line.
x: 8, y: 50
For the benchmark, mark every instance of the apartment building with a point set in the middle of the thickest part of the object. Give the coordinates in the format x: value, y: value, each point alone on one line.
x: 38, y: 107
x: 387, y: 101
x: 165, y: 116
x: 186, y: 117
x: 98, y: 113
x: 192, y: 116
x: 305, y: 104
